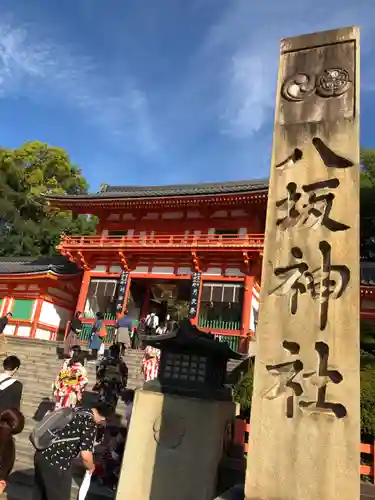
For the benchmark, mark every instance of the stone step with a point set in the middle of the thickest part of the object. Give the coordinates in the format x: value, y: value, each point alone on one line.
x: 130, y: 360
x: 22, y: 479
x: 45, y: 380
x: 59, y: 352
x: 15, y: 344
x: 40, y: 364
x: 51, y: 367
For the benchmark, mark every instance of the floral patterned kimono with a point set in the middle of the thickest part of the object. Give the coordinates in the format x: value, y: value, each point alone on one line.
x: 150, y: 363
x: 69, y: 385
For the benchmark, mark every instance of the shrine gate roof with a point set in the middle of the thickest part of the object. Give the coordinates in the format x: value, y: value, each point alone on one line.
x: 37, y: 265
x: 176, y: 190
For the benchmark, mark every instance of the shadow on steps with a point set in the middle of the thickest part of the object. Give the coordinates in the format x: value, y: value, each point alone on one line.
x: 20, y: 487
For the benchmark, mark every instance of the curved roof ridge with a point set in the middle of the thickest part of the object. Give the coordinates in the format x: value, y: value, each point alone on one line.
x: 202, y: 185
x: 58, y: 264
x: 174, y: 190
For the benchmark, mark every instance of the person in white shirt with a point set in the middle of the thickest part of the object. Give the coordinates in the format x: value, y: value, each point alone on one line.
x: 162, y: 328
x: 152, y: 322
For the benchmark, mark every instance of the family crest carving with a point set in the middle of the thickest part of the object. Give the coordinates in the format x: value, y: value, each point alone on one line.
x: 332, y: 82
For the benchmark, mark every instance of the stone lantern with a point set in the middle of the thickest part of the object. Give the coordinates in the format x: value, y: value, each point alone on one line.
x: 192, y: 364
x: 180, y: 419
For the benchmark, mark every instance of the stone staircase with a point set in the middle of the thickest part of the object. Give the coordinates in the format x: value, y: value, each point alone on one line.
x: 39, y: 365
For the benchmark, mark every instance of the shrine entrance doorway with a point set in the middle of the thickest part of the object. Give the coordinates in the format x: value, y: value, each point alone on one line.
x: 161, y: 296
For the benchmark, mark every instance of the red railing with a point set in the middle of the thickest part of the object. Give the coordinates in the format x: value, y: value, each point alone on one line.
x: 208, y: 241
x: 17, y: 324
x: 241, y: 438
x: 368, y: 470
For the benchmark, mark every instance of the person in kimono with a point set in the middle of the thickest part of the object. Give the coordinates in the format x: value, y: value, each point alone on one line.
x: 150, y: 363
x: 70, y: 382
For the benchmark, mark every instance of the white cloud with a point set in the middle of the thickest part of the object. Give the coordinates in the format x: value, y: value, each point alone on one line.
x: 47, y: 70
x: 209, y: 103
x: 248, y: 100
x: 246, y: 40
x: 17, y: 61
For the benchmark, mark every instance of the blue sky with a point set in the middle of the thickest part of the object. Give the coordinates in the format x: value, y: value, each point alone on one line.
x: 160, y: 91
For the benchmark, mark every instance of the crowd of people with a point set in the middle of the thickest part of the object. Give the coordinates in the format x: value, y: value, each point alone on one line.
x: 87, y: 433
x: 125, y: 338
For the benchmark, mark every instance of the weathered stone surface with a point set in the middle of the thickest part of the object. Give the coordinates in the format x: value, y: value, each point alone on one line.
x: 174, y: 447
x: 305, y: 429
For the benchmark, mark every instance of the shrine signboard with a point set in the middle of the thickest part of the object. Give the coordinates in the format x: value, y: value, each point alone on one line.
x: 121, y: 292
x: 305, y: 419
x: 194, y: 294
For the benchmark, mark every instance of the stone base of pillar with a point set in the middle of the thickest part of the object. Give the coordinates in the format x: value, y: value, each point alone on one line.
x: 174, y: 447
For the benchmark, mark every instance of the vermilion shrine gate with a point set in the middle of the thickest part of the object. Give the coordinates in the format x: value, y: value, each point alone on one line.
x: 181, y: 250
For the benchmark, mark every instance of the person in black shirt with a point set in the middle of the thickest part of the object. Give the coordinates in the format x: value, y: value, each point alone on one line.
x: 3, y: 341
x: 53, y: 466
x: 4, y: 321
x: 10, y: 388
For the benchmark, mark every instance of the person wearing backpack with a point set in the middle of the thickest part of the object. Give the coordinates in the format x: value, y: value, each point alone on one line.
x: 112, y: 376
x: 10, y: 387
x: 59, y: 438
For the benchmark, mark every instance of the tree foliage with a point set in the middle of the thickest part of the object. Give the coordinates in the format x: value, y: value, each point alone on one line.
x: 27, y: 174
x: 243, y: 390
x: 368, y: 401
x: 367, y: 195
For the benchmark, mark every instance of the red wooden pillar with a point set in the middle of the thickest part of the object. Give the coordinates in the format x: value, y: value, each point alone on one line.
x: 126, y: 296
x: 246, y: 310
x: 83, y: 291
x: 38, y: 309
x: 145, y: 309
x: 6, y: 304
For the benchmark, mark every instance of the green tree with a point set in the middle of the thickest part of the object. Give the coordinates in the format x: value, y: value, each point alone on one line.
x: 243, y: 391
x: 27, y: 174
x: 368, y: 401
x: 367, y: 197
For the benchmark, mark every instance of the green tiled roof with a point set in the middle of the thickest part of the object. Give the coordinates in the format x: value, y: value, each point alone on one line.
x: 35, y: 265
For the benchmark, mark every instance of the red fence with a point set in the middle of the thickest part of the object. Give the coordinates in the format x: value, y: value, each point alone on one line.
x: 164, y: 242
x: 241, y: 438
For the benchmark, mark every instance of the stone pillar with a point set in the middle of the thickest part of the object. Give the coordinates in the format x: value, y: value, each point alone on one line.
x: 305, y: 421
x: 173, y: 448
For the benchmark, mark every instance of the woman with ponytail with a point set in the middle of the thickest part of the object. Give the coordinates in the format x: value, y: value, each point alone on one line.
x: 11, y: 423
